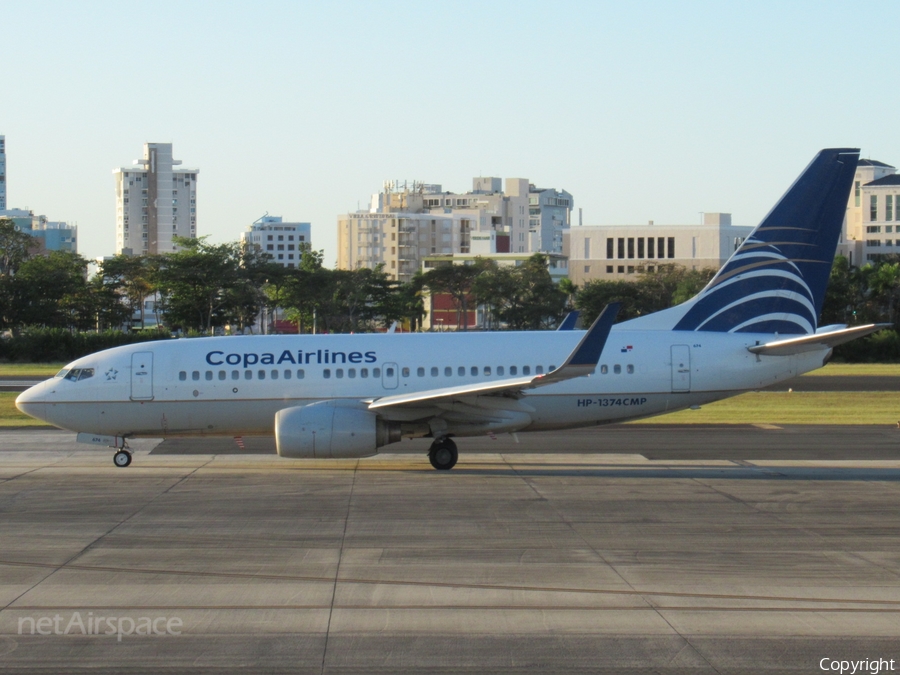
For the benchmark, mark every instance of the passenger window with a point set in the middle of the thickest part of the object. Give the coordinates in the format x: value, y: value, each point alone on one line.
x: 376, y: 372
x: 617, y: 369
x: 630, y: 369
x: 420, y: 371
x: 539, y: 370
x: 274, y: 374
x: 339, y: 373
x: 182, y: 376
x: 195, y: 375
x: 389, y: 372
x: 351, y: 372
x: 300, y: 374
x: 461, y: 371
x: 248, y: 374
x: 363, y: 372
x: 434, y: 372
x: 552, y: 368
x: 326, y: 373
x: 526, y: 370
x: 405, y: 371
x: 221, y: 374
x: 287, y: 374
x: 500, y: 370
x: 448, y: 371
x: 474, y: 371
x: 209, y: 375
x: 262, y: 374
x: 487, y: 370
x: 513, y: 370
x: 235, y: 375
x: 604, y: 369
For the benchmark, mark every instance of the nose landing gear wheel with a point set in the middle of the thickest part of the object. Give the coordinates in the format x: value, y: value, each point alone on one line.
x: 122, y: 459
x: 443, y: 454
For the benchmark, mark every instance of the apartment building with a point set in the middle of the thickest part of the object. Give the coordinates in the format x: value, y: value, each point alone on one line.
x: 406, y: 222
x: 154, y: 202
x: 282, y: 241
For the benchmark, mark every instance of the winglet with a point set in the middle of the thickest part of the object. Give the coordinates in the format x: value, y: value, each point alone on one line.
x: 569, y: 322
x: 583, y: 359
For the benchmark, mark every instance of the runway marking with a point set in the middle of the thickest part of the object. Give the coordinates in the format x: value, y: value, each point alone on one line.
x: 439, y: 584
x: 767, y: 426
x: 529, y: 608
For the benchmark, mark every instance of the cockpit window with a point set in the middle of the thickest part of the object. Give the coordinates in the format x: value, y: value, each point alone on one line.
x: 62, y: 373
x: 78, y: 374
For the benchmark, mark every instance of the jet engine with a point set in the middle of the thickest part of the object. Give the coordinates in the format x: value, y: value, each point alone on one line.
x: 330, y: 430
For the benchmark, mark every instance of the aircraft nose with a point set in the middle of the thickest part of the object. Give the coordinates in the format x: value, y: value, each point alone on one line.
x: 32, y: 401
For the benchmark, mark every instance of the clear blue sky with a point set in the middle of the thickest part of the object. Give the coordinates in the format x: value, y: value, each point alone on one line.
x: 642, y: 110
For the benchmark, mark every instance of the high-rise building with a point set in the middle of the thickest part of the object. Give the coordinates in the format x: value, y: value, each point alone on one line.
x: 154, y: 202
x: 2, y: 173
x: 283, y: 241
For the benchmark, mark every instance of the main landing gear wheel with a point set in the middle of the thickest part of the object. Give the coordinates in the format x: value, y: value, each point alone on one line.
x: 443, y: 454
x: 122, y: 459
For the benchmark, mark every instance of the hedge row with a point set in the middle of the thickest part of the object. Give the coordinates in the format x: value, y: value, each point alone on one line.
x: 881, y: 347
x: 36, y: 345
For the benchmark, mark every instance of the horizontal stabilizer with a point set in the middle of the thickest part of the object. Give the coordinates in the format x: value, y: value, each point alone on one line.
x: 582, y: 361
x: 817, y: 341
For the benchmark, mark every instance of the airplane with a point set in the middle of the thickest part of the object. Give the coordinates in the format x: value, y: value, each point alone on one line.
x: 347, y: 396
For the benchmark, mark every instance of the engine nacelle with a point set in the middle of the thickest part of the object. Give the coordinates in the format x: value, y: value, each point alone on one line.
x: 331, y: 430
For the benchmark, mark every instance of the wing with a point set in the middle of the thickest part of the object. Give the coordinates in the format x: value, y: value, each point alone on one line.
x: 816, y: 341
x: 582, y: 361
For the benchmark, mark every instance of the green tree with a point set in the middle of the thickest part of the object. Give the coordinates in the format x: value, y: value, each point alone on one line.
x: 456, y: 281
x: 132, y: 277
x: 200, y: 285
x: 51, y: 290
x: 15, y: 247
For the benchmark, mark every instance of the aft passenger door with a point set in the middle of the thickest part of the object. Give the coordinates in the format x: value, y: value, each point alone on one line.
x: 142, y: 376
x: 681, y: 368
x: 390, y: 378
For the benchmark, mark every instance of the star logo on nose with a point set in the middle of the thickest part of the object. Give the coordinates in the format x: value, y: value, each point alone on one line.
x: 111, y: 374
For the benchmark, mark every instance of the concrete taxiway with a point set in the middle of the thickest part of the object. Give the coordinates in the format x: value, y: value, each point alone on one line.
x: 510, y: 563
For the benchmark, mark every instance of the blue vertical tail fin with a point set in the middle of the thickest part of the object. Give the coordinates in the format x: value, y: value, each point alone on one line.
x: 775, y: 281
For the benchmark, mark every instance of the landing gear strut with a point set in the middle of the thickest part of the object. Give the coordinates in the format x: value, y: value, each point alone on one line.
x: 443, y: 454
x: 122, y: 458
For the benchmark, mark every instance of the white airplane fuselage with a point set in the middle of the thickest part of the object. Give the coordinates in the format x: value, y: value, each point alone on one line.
x: 235, y: 385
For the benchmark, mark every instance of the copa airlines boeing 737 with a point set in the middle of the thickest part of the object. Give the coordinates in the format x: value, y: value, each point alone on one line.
x: 329, y: 396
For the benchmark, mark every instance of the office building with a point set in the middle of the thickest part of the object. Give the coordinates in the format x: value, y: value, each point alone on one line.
x: 621, y: 251
x: 872, y: 222
x: 283, y: 241
x: 154, y: 202
x: 50, y: 235
x: 407, y: 222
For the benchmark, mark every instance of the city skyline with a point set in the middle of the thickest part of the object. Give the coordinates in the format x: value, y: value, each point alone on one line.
x: 644, y: 112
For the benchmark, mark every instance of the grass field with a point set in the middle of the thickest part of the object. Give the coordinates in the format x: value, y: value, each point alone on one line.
x: 10, y: 415
x: 765, y: 407
x: 30, y: 369
x: 776, y: 407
